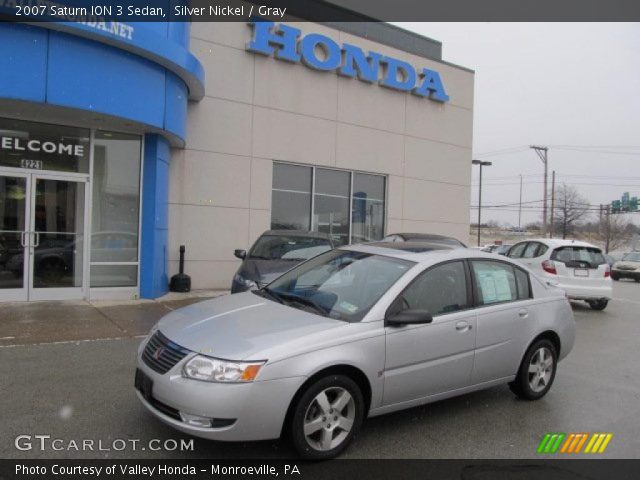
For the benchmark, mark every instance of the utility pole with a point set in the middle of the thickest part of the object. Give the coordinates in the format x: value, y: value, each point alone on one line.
x: 553, y: 201
x: 481, y: 164
x: 608, y: 228
x: 542, y: 153
x: 520, y: 205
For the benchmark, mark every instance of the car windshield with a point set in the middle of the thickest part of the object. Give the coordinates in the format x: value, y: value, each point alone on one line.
x: 339, y: 284
x: 591, y: 255
x: 288, y: 247
x: 632, y: 257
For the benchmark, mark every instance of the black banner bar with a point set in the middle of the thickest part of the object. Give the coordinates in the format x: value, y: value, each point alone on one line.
x: 319, y: 10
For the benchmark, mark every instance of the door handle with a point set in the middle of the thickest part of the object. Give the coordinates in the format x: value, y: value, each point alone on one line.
x: 463, y: 326
x: 523, y: 313
x: 36, y: 239
x: 22, y: 237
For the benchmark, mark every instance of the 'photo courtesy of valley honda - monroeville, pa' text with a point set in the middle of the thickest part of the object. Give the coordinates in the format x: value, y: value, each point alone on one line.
x: 319, y: 239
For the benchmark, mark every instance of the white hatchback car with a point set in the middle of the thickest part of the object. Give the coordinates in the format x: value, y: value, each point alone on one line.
x: 579, y: 268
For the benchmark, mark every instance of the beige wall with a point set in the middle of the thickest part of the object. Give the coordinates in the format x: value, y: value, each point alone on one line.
x: 258, y: 109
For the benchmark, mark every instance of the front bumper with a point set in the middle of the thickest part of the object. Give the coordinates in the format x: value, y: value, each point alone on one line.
x: 258, y: 409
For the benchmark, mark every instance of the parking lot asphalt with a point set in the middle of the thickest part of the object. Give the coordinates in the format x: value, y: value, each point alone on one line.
x: 83, y: 390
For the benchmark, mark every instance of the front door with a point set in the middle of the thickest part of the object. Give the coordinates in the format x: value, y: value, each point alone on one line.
x: 42, y: 231
x: 426, y: 360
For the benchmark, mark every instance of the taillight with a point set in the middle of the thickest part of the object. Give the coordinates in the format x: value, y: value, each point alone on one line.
x: 607, y: 271
x: 549, y: 267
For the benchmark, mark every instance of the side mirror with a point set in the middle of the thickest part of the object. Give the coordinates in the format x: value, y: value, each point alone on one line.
x: 409, y: 317
x: 241, y: 254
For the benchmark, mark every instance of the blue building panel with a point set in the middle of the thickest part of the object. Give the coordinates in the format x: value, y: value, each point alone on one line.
x: 176, y: 106
x: 24, y: 62
x: 91, y: 76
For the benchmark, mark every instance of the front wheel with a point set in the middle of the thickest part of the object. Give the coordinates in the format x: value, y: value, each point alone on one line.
x: 326, y: 417
x: 537, y: 371
x: 598, y: 304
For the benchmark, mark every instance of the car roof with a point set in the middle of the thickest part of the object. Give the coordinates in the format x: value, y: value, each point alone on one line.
x: 559, y: 242
x: 435, y: 254
x: 298, y: 233
x: 423, y: 236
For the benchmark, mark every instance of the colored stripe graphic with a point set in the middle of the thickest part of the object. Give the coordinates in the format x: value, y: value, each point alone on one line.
x: 550, y: 442
x: 574, y: 442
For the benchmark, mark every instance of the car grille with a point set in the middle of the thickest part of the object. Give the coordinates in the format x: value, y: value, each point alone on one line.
x: 161, y: 354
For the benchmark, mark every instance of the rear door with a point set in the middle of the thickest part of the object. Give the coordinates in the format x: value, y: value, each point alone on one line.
x: 504, y: 307
x: 580, y: 266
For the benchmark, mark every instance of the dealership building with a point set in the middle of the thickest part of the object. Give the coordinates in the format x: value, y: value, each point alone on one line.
x: 121, y: 142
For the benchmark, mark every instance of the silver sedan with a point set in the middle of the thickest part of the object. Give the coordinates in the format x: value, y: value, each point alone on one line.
x: 353, y: 333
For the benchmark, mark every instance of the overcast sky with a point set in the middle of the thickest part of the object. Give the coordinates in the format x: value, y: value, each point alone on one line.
x: 570, y: 86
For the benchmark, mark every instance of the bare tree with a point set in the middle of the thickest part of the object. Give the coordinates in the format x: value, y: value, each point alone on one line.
x: 615, y: 231
x: 570, y: 208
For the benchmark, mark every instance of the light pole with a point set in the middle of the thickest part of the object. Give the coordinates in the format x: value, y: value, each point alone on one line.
x: 482, y: 164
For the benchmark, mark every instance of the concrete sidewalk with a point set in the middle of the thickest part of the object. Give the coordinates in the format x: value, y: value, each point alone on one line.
x: 24, y: 323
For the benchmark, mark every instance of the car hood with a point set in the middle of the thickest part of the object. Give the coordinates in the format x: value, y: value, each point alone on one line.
x: 265, y: 271
x: 236, y: 327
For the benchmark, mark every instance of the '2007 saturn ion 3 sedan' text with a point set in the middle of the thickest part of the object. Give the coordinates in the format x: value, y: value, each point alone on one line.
x: 353, y: 333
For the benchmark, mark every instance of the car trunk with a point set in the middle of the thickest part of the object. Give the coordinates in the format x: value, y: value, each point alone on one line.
x: 580, y: 265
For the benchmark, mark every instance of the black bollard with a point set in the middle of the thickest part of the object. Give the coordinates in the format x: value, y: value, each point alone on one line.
x: 180, y: 282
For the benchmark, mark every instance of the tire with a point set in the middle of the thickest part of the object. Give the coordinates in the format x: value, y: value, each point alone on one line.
x: 530, y: 385
x: 598, y: 304
x: 615, y: 277
x: 327, y: 436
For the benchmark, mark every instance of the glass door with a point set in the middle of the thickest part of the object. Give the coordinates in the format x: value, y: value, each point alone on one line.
x: 42, y: 231
x: 56, y: 238
x: 14, y: 225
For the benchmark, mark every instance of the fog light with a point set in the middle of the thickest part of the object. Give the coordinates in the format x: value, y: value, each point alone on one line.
x: 195, y: 420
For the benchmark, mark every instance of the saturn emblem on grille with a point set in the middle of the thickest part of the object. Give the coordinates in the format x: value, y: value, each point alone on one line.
x: 158, y: 352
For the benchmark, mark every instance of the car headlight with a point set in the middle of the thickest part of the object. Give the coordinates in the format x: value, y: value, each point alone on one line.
x: 244, y: 281
x: 210, y: 369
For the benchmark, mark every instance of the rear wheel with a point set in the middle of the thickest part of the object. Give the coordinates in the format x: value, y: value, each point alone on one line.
x: 537, y: 371
x: 615, y: 277
x: 326, y: 417
x: 598, y: 304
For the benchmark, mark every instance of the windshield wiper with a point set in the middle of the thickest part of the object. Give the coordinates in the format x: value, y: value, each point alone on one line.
x: 304, y: 301
x: 265, y: 292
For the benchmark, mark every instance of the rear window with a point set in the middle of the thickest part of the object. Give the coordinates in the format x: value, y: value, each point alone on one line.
x: 593, y: 256
x: 288, y: 247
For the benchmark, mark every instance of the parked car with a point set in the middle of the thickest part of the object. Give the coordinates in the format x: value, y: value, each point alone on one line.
x: 579, y: 268
x: 275, y: 252
x: 424, y: 237
x: 503, y: 249
x: 355, y: 332
x: 628, y: 267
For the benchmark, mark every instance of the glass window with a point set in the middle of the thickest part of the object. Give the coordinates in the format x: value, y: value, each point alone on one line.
x: 331, y: 204
x: 441, y: 289
x: 115, y: 209
x: 495, y: 282
x: 338, y: 284
x: 40, y: 146
x: 368, y: 208
x: 524, y: 286
x: 323, y: 200
x: 517, y: 250
x: 291, y: 197
x: 530, y: 251
x: 593, y: 256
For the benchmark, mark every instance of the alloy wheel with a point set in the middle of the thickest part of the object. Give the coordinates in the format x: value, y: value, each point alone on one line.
x: 329, y: 418
x: 540, y: 369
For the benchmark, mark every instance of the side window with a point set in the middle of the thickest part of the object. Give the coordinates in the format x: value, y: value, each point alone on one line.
x: 495, y: 282
x: 441, y: 289
x: 530, y: 250
x: 517, y: 250
x: 523, y: 283
x: 542, y: 250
